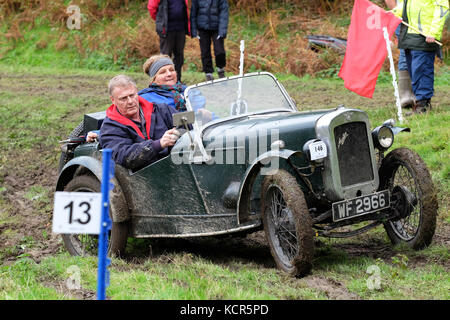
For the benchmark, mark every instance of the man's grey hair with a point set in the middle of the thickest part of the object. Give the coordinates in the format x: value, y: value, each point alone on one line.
x: 122, y: 81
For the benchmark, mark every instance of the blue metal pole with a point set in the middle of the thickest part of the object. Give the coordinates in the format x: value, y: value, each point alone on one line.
x: 105, y: 226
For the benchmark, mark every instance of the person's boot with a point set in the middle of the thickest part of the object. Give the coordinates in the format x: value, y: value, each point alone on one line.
x: 422, y: 106
x: 209, y: 77
x: 407, y: 97
x: 221, y: 72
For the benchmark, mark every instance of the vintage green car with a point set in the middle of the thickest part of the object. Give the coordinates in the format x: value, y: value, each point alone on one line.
x: 253, y: 161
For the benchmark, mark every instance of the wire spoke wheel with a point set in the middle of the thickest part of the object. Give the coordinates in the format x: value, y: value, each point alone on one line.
x: 404, y: 172
x: 282, y: 226
x: 408, y: 227
x: 287, y: 223
x: 82, y: 244
x: 86, y: 244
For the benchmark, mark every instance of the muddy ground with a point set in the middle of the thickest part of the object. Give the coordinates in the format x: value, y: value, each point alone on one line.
x: 25, y: 219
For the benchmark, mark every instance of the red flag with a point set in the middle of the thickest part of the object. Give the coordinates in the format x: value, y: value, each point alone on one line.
x: 366, y: 47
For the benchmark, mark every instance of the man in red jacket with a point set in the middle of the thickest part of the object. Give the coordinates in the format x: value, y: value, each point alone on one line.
x: 172, y: 25
x: 138, y: 132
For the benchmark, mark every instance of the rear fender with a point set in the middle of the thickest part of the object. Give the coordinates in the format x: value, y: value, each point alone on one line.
x: 89, y: 165
x: 258, y: 166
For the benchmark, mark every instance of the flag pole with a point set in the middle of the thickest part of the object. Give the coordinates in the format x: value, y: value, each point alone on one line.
x: 420, y: 32
x: 394, y: 78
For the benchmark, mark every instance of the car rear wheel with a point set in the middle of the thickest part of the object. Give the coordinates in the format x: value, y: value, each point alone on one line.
x: 85, y: 244
x: 407, y: 178
x: 287, y: 223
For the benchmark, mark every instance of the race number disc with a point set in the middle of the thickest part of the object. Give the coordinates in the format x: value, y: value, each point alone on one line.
x: 77, y: 212
x: 318, y: 150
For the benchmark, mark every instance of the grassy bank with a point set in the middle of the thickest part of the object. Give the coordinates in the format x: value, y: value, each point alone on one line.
x: 119, y: 36
x: 187, y: 276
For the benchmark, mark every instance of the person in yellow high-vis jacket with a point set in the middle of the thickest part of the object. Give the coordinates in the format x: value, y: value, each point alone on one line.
x: 427, y: 19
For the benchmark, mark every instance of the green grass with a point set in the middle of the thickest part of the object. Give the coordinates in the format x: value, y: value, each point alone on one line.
x: 189, y: 277
x: 186, y: 277
x: 400, y: 277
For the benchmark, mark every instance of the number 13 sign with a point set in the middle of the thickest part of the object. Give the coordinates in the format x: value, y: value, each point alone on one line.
x: 77, y: 212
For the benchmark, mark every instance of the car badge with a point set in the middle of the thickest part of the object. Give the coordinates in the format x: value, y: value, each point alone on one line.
x: 342, y: 139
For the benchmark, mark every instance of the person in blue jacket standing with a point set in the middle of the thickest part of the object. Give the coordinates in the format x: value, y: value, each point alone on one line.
x: 209, y: 22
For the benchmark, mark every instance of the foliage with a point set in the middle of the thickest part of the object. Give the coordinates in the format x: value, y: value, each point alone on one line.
x: 117, y: 35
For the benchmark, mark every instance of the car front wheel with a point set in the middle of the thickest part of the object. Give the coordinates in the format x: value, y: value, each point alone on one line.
x: 408, y: 180
x: 85, y: 244
x: 287, y: 223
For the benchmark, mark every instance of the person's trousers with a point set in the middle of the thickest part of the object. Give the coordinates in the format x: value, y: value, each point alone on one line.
x: 173, y: 45
x: 206, y: 36
x: 402, y: 65
x: 421, y: 70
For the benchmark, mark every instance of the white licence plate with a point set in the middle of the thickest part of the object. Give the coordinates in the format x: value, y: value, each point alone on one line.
x: 359, y: 206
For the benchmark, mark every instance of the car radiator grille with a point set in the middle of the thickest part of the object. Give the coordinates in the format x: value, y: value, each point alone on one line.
x: 355, y: 163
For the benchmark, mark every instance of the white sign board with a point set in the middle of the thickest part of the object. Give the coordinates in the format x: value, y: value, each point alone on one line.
x: 318, y: 150
x: 77, y: 212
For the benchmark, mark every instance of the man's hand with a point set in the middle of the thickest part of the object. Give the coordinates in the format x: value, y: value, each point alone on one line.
x: 169, y: 138
x: 430, y: 39
x: 91, y: 136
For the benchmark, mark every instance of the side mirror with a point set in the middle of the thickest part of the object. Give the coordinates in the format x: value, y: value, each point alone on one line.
x: 183, y: 119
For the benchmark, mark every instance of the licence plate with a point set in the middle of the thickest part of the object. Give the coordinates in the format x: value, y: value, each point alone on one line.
x: 359, y: 206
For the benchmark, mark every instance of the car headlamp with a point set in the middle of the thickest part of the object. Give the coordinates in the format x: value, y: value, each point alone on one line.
x: 383, y: 137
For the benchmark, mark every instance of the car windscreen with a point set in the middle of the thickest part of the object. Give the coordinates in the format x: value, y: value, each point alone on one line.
x: 235, y: 97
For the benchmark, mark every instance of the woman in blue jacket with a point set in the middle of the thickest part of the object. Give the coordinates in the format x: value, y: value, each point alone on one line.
x: 164, y: 86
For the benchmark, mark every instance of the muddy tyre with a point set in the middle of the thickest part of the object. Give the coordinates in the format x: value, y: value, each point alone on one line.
x: 287, y: 224
x: 64, y: 157
x: 403, y: 170
x: 85, y: 244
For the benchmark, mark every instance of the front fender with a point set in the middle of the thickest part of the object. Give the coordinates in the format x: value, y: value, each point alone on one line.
x: 118, y: 204
x: 243, y: 205
x: 397, y: 130
x: 67, y: 173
